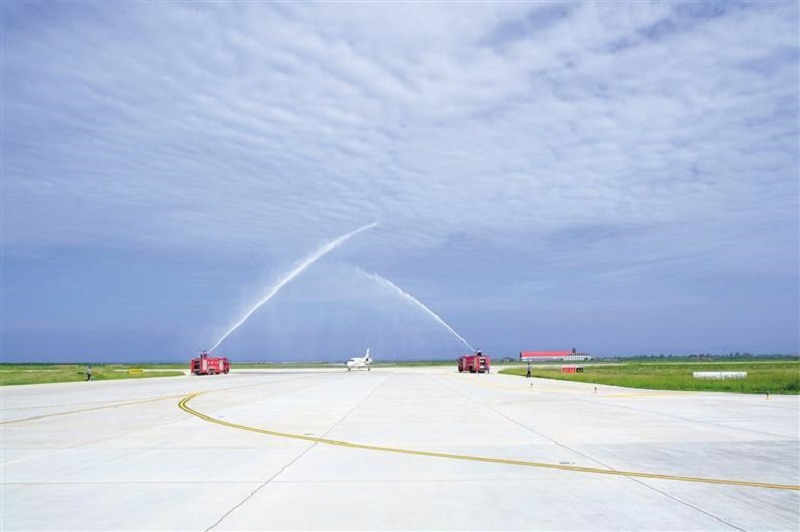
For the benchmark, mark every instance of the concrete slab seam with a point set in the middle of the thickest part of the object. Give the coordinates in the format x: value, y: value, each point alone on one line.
x: 259, y: 488
x: 183, y: 404
x: 285, y: 467
x: 556, y: 442
x: 44, y: 416
x: 163, y: 398
x: 592, y: 399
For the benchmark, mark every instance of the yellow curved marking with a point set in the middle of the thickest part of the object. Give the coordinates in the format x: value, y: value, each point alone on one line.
x: 183, y: 404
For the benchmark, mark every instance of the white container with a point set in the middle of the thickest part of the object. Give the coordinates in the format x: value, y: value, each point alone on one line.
x: 719, y: 375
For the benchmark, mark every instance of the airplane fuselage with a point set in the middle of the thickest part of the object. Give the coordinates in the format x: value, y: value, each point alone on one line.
x: 359, y: 362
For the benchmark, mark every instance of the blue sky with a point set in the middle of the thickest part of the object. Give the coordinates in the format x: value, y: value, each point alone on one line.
x: 617, y: 177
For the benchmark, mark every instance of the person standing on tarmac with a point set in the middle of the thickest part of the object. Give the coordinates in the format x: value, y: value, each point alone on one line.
x: 528, y: 375
x: 89, y: 373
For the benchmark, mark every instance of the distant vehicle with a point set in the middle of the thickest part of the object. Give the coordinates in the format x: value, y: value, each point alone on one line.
x: 547, y: 356
x: 360, y: 362
x: 205, y: 365
x: 477, y: 363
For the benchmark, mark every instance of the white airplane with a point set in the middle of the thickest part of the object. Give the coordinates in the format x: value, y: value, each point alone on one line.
x: 360, y: 362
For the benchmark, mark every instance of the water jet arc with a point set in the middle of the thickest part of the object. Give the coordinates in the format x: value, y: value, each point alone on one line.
x: 396, y: 289
x: 308, y: 261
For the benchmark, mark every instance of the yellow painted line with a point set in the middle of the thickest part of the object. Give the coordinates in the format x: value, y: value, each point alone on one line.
x: 116, y: 404
x: 183, y: 404
x: 88, y: 409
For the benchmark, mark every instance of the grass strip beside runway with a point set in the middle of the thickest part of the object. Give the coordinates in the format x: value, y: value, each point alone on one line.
x: 779, y: 377
x: 13, y: 374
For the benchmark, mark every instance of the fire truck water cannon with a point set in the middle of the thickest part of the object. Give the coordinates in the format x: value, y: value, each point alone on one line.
x: 207, y: 365
x: 477, y: 363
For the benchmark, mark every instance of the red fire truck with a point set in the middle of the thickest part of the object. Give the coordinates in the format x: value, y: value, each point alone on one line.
x: 477, y: 363
x: 205, y: 365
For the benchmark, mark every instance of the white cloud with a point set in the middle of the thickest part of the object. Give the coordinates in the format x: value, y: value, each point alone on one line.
x: 278, y: 126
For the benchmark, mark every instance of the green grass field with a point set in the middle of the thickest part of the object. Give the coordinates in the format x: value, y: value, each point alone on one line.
x: 11, y: 374
x: 775, y: 377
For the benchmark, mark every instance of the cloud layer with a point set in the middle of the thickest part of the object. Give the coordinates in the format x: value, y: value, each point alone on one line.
x: 575, y: 143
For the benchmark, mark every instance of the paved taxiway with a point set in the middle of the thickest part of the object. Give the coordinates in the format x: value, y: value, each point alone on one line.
x: 393, y: 449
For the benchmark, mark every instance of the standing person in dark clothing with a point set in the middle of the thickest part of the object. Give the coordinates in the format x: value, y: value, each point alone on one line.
x: 89, y: 373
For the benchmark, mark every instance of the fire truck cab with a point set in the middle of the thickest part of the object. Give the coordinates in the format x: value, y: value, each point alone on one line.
x: 205, y: 365
x: 477, y: 363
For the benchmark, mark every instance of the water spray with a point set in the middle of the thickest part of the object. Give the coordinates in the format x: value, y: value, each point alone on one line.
x: 396, y: 289
x: 308, y: 261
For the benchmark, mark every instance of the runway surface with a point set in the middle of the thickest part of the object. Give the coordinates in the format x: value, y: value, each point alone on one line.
x: 393, y: 449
